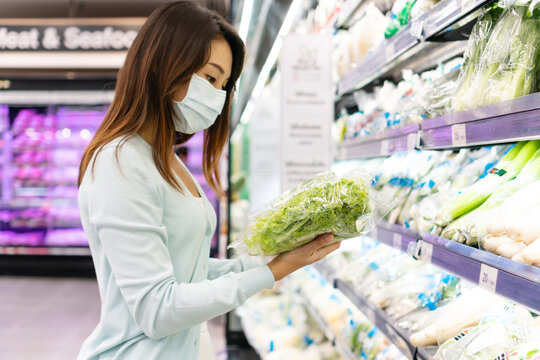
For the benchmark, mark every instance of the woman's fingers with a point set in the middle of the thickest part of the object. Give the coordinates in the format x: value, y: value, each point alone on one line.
x: 325, y: 250
x: 317, y: 243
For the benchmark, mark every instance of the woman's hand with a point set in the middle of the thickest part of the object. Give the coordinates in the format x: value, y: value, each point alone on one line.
x: 288, y: 262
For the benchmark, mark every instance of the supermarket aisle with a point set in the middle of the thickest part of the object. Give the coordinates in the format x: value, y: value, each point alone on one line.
x: 43, y: 318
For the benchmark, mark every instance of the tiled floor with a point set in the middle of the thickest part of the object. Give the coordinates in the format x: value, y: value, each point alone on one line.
x: 42, y: 318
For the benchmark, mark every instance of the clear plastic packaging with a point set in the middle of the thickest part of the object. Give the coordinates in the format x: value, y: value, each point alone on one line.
x: 501, y: 58
x: 324, y: 204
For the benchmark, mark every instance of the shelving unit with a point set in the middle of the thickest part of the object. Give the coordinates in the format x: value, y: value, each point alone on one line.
x: 389, y: 327
x: 386, y: 143
x: 343, y: 350
x: 509, y: 121
x: 393, y: 51
x: 505, y: 122
x: 515, y: 281
x: 507, y: 278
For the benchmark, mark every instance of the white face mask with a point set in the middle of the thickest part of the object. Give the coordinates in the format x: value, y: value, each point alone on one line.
x: 200, y: 108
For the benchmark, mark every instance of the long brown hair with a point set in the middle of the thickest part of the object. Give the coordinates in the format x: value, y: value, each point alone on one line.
x: 171, y: 46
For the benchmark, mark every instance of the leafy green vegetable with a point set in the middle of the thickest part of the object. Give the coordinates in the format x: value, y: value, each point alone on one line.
x: 324, y: 204
x: 501, y: 59
x: 475, y: 195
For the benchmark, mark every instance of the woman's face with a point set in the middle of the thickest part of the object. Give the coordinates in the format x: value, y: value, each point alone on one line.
x: 217, y: 70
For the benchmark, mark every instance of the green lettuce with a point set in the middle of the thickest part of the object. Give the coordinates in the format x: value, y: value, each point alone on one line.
x: 324, y: 204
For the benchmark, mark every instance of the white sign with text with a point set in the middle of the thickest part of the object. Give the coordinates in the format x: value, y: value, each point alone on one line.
x: 307, y: 107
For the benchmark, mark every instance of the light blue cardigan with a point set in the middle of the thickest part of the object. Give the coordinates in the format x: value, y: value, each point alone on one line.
x: 150, y: 245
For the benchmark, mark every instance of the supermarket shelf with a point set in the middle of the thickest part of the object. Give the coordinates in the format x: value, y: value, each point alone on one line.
x: 442, y: 15
x: 343, y: 350
x: 386, y: 143
x: 380, y: 319
x: 378, y: 61
x: 45, y: 250
x: 515, y: 281
x: 508, y: 121
x: 505, y: 122
x: 396, y: 236
x: 388, y: 326
x: 512, y: 280
x: 446, y: 13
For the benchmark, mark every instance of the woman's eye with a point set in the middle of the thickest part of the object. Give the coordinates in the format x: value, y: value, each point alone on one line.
x: 211, y: 79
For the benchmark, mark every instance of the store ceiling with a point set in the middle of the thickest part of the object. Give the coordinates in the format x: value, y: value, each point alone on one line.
x: 92, y: 8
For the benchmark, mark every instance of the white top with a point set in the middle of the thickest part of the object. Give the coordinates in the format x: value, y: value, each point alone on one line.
x: 150, y: 246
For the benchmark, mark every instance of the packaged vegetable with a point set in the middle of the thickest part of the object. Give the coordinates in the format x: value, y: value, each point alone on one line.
x: 492, y: 242
x: 475, y: 195
x: 326, y: 203
x: 510, y: 250
x: 503, y: 327
x: 472, y: 227
x: 464, y: 312
x: 528, y: 351
x: 516, y: 206
x: 525, y: 228
x: 500, y: 62
x: 531, y: 254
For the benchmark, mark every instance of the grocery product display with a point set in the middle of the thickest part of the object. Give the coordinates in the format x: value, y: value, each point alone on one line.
x: 438, y: 101
x: 41, y: 155
x: 41, y: 152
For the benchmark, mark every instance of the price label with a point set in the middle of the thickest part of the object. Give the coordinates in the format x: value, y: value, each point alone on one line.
x: 459, y: 135
x: 417, y: 28
x: 385, y: 147
x: 412, y: 140
x: 488, y: 277
x: 390, y: 51
x: 374, y: 234
x: 397, y: 241
x: 425, y: 250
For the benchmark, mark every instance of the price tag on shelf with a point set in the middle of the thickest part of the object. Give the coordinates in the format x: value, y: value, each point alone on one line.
x: 373, y: 234
x: 385, y: 147
x: 417, y: 28
x: 390, y: 51
x: 396, y: 241
x: 459, y: 135
x: 488, y: 277
x: 412, y: 140
x: 424, y: 251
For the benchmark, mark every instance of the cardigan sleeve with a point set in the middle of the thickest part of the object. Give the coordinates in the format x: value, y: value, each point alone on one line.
x: 220, y: 267
x: 126, y: 212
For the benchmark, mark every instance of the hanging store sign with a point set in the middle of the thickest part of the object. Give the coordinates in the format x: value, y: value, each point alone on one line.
x: 67, y: 37
x: 306, y: 107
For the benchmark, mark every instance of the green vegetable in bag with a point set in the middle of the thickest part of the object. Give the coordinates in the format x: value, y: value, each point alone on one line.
x: 326, y: 203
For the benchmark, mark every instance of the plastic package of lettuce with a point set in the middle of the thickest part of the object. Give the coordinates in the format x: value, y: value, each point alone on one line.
x: 325, y: 204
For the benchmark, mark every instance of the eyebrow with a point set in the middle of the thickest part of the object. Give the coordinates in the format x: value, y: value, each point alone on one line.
x: 217, y: 67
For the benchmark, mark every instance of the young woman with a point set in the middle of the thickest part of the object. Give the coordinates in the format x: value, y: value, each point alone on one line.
x: 148, y: 222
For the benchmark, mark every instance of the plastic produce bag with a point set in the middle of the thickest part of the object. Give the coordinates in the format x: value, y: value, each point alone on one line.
x: 326, y: 203
x: 472, y: 228
x: 475, y: 195
x: 500, y: 62
x: 502, y: 328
